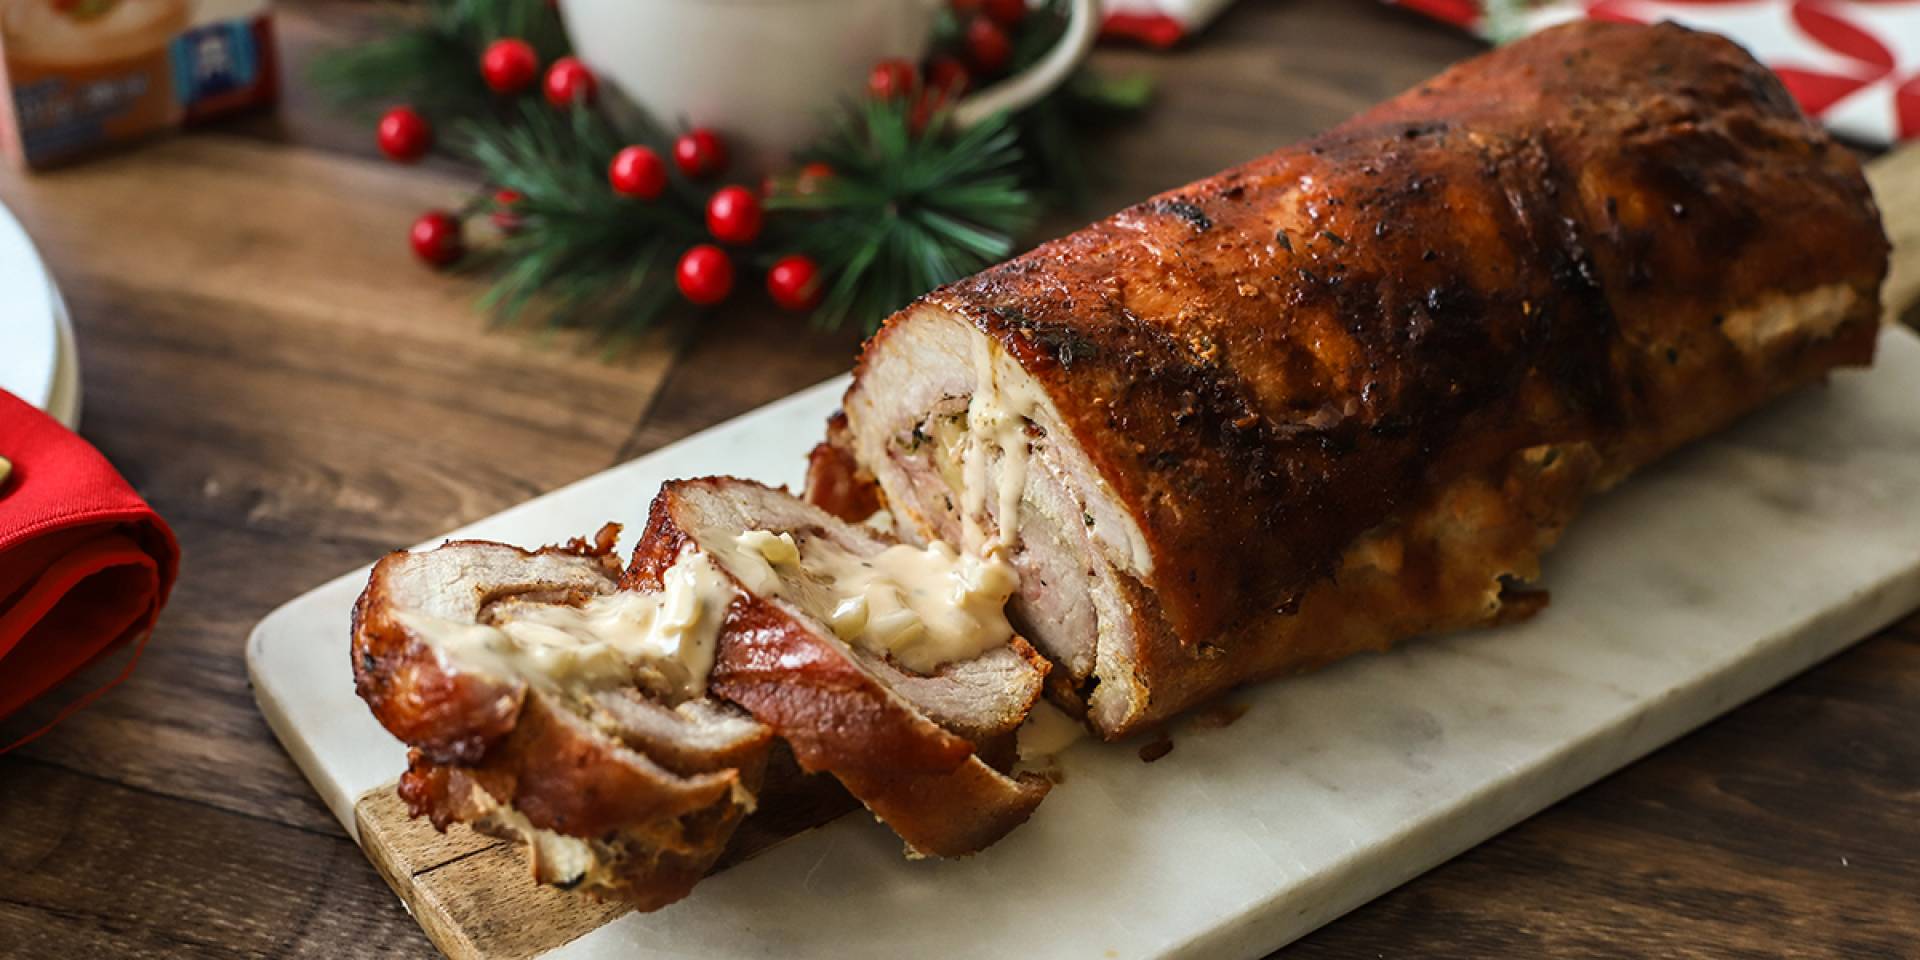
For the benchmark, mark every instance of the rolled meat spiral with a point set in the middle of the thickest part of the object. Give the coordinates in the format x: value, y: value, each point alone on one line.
x: 1348, y: 392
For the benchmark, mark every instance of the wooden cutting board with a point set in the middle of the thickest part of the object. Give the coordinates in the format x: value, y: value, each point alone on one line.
x: 1699, y: 584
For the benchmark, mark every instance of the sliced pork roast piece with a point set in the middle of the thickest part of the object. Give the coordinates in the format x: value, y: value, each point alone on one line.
x: 1342, y: 394
x: 544, y: 705
x: 889, y: 666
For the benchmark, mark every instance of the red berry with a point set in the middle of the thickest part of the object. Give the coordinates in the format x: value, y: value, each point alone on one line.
x: 509, y: 65
x: 948, y: 75
x: 733, y: 215
x: 812, y: 177
x: 699, y: 153
x: 436, y: 238
x: 504, y: 217
x: 925, y: 108
x: 570, y: 82
x: 637, y: 172
x: 705, y: 275
x: 404, y: 134
x: 988, y: 46
x: 794, y: 283
x: 1007, y: 13
x: 890, y: 80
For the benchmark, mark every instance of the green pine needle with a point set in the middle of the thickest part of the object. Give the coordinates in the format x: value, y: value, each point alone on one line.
x: 583, y: 256
x: 904, y: 214
x: 431, y: 59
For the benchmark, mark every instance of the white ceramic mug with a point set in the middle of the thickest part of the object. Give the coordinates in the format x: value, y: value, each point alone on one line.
x: 764, y: 72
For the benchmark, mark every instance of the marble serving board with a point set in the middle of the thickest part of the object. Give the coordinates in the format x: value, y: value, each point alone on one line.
x: 1700, y: 583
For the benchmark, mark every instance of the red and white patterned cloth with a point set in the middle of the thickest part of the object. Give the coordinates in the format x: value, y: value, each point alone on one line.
x: 1853, y: 64
x: 1157, y: 23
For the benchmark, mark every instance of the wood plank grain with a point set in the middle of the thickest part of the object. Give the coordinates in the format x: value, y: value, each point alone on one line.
x: 270, y: 368
x: 1268, y: 73
x: 474, y: 896
x: 303, y: 32
x: 95, y: 869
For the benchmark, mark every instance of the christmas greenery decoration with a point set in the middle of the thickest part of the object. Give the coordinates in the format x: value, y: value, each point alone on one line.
x: 429, y: 60
x: 893, y: 200
x: 903, y: 214
x: 588, y: 256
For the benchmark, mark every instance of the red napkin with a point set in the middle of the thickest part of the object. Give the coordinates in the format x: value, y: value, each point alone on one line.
x: 85, y: 564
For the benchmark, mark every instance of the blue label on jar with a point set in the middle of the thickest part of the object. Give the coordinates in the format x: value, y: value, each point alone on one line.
x: 58, y: 117
x: 213, y: 60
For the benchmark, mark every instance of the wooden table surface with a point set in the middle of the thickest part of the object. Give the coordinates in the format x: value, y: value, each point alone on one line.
x: 267, y: 365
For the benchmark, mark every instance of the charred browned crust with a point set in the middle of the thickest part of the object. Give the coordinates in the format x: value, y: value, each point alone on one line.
x: 836, y: 482
x: 1540, y: 246
x: 450, y: 717
x: 928, y: 784
x: 651, y: 849
x: 655, y: 814
x: 574, y: 780
x: 1440, y: 568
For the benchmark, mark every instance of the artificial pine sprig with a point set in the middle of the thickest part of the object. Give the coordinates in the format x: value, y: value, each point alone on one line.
x: 906, y: 202
x: 1049, y: 135
x: 1052, y: 130
x: 580, y: 253
x: 427, y: 58
x: 905, y: 213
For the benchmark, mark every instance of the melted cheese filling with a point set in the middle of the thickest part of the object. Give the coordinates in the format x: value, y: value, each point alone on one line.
x: 556, y: 857
x: 1047, y: 733
x: 1815, y: 314
x: 997, y: 421
x: 922, y: 607
x: 663, y: 641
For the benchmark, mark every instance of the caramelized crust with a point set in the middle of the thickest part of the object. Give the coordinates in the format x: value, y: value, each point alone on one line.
x: 1347, y: 393
x: 610, y: 792
x: 835, y: 481
x: 649, y: 854
x: 929, y: 784
x: 1606, y: 235
x: 451, y: 716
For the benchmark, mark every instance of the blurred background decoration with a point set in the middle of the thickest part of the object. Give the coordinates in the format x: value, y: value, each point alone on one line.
x: 597, y: 215
x: 82, y: 75
x: 1853, y: 65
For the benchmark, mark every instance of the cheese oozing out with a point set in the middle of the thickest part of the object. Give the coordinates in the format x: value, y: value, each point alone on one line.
x: 662, y: 641
x: 1047, y: 733
x: 998, y: 415
x: 921, y: 607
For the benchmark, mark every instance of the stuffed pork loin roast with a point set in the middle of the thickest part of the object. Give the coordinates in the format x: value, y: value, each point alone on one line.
x: 544, y: 704
x: 619, y: 725
x: 1339, y: 396
x: 1349, y: 392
